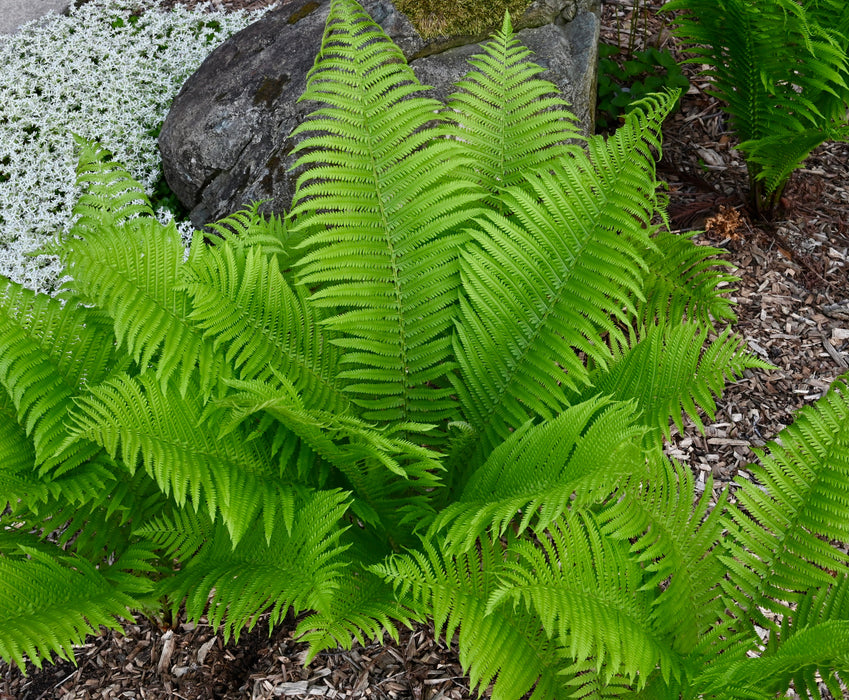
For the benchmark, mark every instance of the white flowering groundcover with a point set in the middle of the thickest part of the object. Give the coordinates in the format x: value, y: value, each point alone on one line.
x: 107, y: 72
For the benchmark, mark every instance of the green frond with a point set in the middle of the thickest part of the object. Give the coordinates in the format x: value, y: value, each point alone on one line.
x: 179, y: 534
x: 685, y: 281
x: 595, y: 607
x: 363, y: 608
x: 387, y: 474
x: 541, y: 470
x: 50, y: 602
x: 784, y: 524
x: 673, y: 536
x: 233, y: 583
x: 50, y: 352
x: 18, y: 480
x: 504, y: 646
x: 382, y: 205
x: 543, y: 287
x: 508, y: 120
x: 670, y: 371
x: 132, y: 272
x: 111, y: 196
x: 822, y: 646
x: 248, y: 311
x: 248, y: 228
x: 188, y: 459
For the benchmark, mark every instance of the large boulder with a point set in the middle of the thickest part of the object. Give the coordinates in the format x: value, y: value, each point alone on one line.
x: 227, y: 140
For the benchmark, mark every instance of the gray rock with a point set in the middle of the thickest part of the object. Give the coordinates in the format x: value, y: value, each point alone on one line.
x: 227, y: 140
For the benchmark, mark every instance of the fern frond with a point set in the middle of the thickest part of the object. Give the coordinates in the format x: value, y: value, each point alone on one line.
x: 179, y: 534
x: 820, y: 646
x: 509, y: 121
x: 685, y: 281
x: 784, y: 523
x: 541, y: 470
x: 595, y: 606
x: 387, y: 474
x: 301, y: 570
x: 674, y: 537
x: 50, y: 602
x: 50, y: 352
x: 382, y: 205
x: 111, y: 196
x: 132, y: 272
x: 364, y: 607
x: 246, y: 309
x: 544, y: 286
x: 503, y: 645
x: 670, y: 372
x: 248, y: 228
x: 188, y: 459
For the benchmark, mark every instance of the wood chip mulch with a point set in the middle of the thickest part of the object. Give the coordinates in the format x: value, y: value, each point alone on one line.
x: 793, y: 308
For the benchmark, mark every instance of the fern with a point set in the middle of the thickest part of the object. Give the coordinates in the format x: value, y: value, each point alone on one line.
x: 382, y: 206
x: 782, y: 69
x: 435, y: 390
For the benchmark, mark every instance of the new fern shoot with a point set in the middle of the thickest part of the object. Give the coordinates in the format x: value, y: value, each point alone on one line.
x: 436, y: 389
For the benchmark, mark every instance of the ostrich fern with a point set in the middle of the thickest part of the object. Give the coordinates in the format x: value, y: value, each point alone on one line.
x: 436, y: 389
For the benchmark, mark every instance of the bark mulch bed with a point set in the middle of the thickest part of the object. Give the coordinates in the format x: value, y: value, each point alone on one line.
x: 793, y: 308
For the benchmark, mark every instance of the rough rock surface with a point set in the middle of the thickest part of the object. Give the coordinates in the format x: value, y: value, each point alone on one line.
x: 226, y: 141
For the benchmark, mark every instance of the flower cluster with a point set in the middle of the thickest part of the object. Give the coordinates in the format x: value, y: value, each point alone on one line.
x: 108, y: 71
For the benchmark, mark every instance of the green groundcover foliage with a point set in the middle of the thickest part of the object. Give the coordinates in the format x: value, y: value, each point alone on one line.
x: 437, y: 389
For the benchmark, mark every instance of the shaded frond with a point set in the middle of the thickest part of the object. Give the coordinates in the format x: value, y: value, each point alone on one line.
x: 685, y: 281
x: 364, y: 607
x: 543, y: 287
x: 503, y: 645
x: 50, y: 602
x: 387, y: 474
x: 179, y: 534
x: 237, y: 582
x: 248, y: 228
x: 381, y: 203
x: 785, y: 522
x: 248, y: 311
x: 542, y: 470
x: 111, y: 196
x: 132, y: 272
x: 508, y: 120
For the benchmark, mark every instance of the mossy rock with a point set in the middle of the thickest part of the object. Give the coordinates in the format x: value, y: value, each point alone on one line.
x: 433, y: 18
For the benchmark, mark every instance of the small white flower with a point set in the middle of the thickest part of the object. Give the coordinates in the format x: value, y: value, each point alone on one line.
x: 107, y: 72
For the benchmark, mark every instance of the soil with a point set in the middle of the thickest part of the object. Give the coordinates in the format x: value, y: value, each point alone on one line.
x: 793, y: 307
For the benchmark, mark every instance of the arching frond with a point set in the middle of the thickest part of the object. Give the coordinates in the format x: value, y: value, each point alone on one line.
x: 544, y: 286
x: 502, y: 645
x: 542, y: 470
x: 247, y: 310
x: 49, y: 353
x: 301, y: 570
x: 508, y: 120
x: 382, y: 203
x: 132, y: 272
x: 188, y: 459
x: 595, y: 606
x: 785, y: 522
x: 50, y: 602
x: 671, y: 371
x: 111, y: 196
